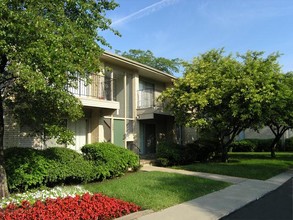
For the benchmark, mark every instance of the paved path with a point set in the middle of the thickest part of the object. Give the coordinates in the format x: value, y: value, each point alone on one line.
x: 217, y: 204
x: 229, y: 179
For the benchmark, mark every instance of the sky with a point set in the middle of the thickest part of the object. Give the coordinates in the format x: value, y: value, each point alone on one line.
x: 187, y: 28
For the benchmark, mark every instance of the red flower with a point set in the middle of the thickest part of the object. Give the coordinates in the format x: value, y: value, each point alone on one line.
x: 88, y: 206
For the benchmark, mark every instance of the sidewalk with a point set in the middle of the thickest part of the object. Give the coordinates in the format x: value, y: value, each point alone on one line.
x: 217, y: 204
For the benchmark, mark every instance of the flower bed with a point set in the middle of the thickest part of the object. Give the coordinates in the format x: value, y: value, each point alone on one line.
x: 87, y: 206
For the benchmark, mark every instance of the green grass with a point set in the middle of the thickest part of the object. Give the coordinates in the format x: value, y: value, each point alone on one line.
x: 249, y: 165
x: 156, y: 190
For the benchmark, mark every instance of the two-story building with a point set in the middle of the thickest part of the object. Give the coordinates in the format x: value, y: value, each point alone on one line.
x: 120, y: 106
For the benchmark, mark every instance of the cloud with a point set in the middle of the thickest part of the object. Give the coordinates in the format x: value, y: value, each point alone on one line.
x: 144, y: 12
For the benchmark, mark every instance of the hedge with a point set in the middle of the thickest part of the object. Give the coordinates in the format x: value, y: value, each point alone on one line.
x: 109, y: 159
x: 243, y: 146
x: 30, y: 168
x: 202, y: 150
x: 67, y: 166
x: 25, y: 168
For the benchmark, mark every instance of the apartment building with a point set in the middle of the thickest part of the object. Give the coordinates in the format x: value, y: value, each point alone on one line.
x: 120, y: 107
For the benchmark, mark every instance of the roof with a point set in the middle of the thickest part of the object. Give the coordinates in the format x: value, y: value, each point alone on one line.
x: 141, y: 69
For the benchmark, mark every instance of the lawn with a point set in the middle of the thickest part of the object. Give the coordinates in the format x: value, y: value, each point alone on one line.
x: 156, y: 190
x: 249, y: 165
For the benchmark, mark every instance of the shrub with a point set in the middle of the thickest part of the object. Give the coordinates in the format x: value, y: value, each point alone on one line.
x: 205, y: 149
x: 28, y: 168
x: 169, y: 154
x: 263, y: 145
x: 243, y: 146
x: 289, y: 144
x: 67, y: 166
x: 109, y: 159
x: 25, y: 168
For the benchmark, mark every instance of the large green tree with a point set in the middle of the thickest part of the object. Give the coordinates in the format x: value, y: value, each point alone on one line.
x: 278, y: 115
x: 147, y: 57
x: 224, y: 93
x: 45, y: 47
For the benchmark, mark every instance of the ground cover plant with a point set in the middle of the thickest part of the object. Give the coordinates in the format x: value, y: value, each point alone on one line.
x: 156, y: 190
x: 42, y: 194
x: 248, y: 165
x: 87, y: 206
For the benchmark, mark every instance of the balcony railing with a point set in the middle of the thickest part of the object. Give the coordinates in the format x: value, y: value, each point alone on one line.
x: 145, y: 98
x: 100, y: 87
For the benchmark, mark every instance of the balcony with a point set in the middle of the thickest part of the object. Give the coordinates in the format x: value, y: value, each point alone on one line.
x: 99, y: 93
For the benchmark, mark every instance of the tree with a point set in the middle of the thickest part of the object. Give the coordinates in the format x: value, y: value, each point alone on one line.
x: 224, y: 93
x: 279, y: 114
x: 147, y: 57
x: 45, y: 48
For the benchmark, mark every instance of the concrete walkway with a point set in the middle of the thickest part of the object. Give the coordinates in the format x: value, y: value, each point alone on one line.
x: 217, y: 204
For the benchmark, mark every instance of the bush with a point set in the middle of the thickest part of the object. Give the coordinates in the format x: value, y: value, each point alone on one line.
x: 28, y: 168
x: 263, y: 145
x: 109, y: 159
x: 67, y: 166
x: 25, y: 168
x: 169, y: 154
x: 204, y: 149
x: 289, y: 144
x: 243, y: 146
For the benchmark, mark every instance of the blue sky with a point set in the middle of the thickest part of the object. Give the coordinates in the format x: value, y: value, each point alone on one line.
x: 186, y: 28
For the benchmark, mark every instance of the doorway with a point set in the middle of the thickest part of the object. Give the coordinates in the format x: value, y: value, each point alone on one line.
x: 148, y: 138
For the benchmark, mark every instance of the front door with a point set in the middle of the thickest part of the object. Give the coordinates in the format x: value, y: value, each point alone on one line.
x: 149, y: 139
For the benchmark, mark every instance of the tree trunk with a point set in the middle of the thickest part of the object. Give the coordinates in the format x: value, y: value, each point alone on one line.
x: 274, y: 145
x: 224, y: 156
x: 3, y: 183
x: 3, y: 179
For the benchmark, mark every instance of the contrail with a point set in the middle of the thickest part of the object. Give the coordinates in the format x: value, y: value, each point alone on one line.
x: 144, y: 12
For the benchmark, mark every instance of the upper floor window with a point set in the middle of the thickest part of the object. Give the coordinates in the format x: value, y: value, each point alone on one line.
x: 145, y: 95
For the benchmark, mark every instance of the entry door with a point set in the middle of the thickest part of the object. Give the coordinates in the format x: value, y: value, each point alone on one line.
x: 80, y: 129
x: 149, y: 139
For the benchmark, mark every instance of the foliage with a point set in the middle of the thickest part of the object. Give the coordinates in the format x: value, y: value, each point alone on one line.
x: 203, y: 150
x: 243, y: 146
x: 34, y: 195
x: 25, y: 168
x: 45, y: 48
x: 224, y: 93
x: 109, y: 159
x: 67, y: 166
x: 262, y: 145
x: 289, y: 144
x: 28, y: 168
x: 87, y: 206
x: 148, y: 58
x: 169, y: 153
x: 278, y: 113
